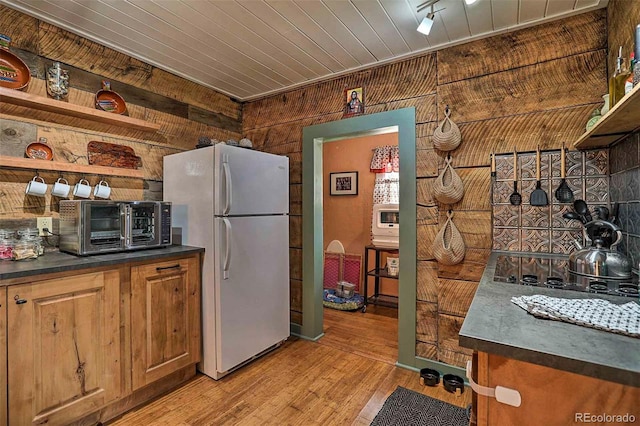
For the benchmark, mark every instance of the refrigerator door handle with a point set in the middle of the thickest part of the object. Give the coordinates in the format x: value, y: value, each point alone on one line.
x: 227, y: 251
x: 227, y: 181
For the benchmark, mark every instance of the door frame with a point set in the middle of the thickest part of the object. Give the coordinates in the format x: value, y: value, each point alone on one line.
x: 404, y: 122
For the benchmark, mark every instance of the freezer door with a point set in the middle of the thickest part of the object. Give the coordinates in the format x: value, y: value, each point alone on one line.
x: 250, y: 182
x: 251, y: 286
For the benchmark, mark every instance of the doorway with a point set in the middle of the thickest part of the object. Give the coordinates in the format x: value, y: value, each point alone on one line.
x: 401, y: 121
x: 347, y: 219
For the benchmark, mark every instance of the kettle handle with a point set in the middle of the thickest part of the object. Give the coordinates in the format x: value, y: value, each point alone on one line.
x: 618, y: 239
x: 604, y: 223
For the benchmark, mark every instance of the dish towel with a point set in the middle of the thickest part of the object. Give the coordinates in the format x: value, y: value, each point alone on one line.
x: 594, y: 313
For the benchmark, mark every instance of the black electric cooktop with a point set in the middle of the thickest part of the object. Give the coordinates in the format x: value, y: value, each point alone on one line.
x: 553, y: 272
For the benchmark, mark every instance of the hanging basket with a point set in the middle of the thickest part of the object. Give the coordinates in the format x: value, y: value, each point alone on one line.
x: 447, y: 136
x: 448, y: 187
x: 448, y: 246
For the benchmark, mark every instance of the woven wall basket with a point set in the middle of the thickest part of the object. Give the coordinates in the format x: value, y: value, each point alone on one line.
x: 448, y: 246
x: 448, y: 187
x: 447, y: 136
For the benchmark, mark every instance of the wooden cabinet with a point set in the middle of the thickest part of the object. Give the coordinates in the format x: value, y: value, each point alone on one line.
x: 550, y: 396
x: 80, y: 346
x: 63, y: 339
x: 165, y: 318
x: 3, y: 355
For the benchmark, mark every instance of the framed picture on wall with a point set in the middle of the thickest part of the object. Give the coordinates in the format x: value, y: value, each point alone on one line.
x: 343, y: 183
x: 354, y: 101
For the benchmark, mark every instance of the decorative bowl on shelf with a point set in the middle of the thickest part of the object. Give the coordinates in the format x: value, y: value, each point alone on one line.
x: 39, y: 150
x: 14, y: 73
x: 109, y: 101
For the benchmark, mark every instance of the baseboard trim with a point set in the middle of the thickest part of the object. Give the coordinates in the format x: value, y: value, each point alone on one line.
x: 312, y: 339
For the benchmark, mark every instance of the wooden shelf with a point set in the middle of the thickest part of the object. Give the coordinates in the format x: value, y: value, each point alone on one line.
x: 32, y: 164
x: 621, y: 120
x: 19, y: 98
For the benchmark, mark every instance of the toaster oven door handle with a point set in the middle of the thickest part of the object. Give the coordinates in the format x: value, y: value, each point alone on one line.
x: 123, y: 225
x: 227, y: 251
x: 228, y: 187
x: 127, y: 226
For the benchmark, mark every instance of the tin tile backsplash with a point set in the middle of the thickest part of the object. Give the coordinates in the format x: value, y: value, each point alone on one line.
x: 624, y: 164
x: 543, y: 229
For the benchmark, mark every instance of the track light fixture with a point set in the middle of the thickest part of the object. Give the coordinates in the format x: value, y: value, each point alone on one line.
x: 427, y: 21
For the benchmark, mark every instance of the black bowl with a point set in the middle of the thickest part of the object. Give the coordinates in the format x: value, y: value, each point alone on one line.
x: 429, y: 377
x: 452, y: 383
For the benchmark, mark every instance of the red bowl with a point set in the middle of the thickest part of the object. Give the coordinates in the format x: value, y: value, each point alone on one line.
x: 14, y: 73
x: 110, y: 101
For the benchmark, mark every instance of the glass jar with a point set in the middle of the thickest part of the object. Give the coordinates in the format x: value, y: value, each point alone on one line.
x: 6, y: 248
x: 28, y: 232
x: 36, y: 241
x: 7, y: 234
x: 23, y: 250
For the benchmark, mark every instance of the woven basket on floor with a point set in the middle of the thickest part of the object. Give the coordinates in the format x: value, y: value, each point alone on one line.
x: 447, y: 136
x: 448, y: 187
x: 448, y: 246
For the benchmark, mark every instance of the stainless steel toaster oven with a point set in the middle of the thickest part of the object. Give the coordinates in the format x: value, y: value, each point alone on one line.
x: 97, y: 226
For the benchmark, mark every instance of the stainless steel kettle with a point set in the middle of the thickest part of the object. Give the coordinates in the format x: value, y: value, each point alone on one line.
x: 601, y: 260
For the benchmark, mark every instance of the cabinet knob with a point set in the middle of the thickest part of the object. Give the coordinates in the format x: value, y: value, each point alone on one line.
x: 18, y: 300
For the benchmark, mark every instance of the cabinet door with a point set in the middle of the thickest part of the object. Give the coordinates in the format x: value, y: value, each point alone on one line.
x: 63, y: 343
x: 165, y: 318
x: 3, y: 356
x: 550, y: 396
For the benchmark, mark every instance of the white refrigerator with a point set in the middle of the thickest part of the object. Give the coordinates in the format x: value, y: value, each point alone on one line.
x: 234, y: 202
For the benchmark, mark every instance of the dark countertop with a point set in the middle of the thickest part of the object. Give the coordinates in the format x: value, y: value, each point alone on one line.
x: 60, y: 262
x: 497, y: 326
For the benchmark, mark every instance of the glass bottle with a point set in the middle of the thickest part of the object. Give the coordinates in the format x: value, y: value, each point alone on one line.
x: 617, y: 81
x: 628, y: 84
x: 57, y: 81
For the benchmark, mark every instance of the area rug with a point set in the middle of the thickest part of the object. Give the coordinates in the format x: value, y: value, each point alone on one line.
x: 406, y: 407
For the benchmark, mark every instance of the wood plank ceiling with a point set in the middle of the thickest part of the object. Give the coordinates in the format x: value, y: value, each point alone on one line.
x: 249, y: 49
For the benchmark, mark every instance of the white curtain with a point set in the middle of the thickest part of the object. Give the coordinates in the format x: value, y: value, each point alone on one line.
x: 387, y: 188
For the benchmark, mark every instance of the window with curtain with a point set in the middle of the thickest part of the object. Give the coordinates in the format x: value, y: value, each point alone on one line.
x: 386, y: 164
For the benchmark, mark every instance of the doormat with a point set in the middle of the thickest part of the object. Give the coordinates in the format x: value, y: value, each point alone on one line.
x: 408, y: 408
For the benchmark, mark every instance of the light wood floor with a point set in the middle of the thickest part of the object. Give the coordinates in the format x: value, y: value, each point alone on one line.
x: 342, y: 379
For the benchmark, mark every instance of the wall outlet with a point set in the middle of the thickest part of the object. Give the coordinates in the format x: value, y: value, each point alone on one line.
x: 45, y: 222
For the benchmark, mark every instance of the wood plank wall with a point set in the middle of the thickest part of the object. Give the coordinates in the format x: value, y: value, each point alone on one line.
x: 622, y: 16
x: 534, y: 86
x: 184, y: 110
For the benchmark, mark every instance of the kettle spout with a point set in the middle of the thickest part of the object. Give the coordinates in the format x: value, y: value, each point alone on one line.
x: 577, y: 244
